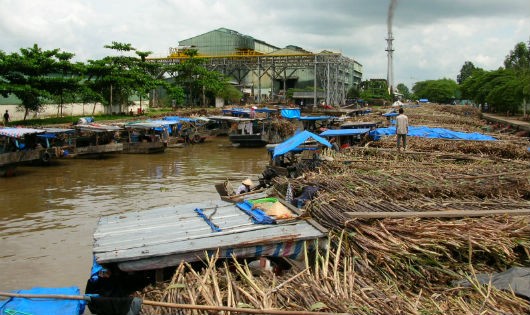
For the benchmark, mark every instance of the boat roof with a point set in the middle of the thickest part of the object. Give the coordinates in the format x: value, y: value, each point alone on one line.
x: 231, y: 118
x: 358, y: 124
x: 344, y: 132
x: 162, y: 237
x: 315, y: 117
x: 97, y: 127
x: 147, y: 124
x: 295, y: 141
x: 18, y: 132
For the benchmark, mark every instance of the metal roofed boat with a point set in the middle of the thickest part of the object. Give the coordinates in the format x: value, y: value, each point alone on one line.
x: 164, y: 237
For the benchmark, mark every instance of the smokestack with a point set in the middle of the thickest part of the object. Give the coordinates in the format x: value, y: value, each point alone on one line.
x: 389, y: 48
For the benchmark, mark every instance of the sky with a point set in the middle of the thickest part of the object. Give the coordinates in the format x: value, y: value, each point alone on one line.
x: 432, y: 38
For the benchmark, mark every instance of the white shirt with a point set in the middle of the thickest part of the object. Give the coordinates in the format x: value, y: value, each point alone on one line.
x: 242, y: 189
x: 402, y: 124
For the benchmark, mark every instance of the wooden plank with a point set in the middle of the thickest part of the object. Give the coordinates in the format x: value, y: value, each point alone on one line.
x: 436, y: 214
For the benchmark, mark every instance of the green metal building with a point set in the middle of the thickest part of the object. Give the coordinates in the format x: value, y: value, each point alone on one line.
x: 265, y: 72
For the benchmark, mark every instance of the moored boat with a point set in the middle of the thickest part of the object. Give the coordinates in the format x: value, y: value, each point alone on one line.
x: 151, y: 240
x: 20, y: 145
x: 144, y: 137
x: 96, y: 140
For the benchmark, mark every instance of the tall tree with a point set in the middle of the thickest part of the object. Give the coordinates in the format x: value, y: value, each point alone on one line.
x: 196, y: 80
x: 35, y: 76
x: 519, y: 60
x: 117, y: 78
x: 467, y: 70
x: 440, y: 91
x: 404, y: 90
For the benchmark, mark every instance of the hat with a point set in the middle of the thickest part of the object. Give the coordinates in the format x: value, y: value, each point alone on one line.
x: 247, y: 182
x: 254, y: 107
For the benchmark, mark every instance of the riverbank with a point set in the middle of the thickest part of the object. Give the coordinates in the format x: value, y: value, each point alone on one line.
x: 516, y: 123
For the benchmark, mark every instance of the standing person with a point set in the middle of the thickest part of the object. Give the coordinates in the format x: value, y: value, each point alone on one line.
x: 334, y: 144
x: 252, y: 114
x: 6, y: 118
x: 245, y: 187
x: 402, y: 128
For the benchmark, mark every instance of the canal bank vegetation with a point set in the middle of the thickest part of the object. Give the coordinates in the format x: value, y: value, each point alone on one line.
x: 410, y: 233
x: 36, y: 77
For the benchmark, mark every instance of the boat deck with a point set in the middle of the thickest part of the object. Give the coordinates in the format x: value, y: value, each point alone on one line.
x: 164, y: 237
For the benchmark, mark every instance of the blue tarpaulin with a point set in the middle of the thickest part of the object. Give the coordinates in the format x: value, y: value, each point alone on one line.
x: 44, y: 306
x: 290, y: 113
x: 257, y: 215
x: 344, y: 132
x: 177, y: 118
x: 296, y: 140
x: 430, y: 132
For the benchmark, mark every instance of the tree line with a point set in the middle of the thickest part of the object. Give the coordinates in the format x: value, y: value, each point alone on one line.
x: 38, y: 77
x: 506, y: 89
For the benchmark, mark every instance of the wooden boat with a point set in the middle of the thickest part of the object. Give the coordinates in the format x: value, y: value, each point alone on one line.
x: 164, y: 237
x: 253, y: 133
x: 144, y: 137
x: 20, y: 145
x: 96, y: 140
x: 220, y: 125
x: 186, y: 130
x: 226, y: 192
x: 60, y: 141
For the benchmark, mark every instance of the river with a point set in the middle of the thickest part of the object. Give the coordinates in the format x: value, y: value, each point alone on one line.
x: 48, y: 214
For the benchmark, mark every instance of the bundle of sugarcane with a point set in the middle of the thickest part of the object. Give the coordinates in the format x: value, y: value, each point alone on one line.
x: 336, y: 281
x: 283, y: 127
x: 511, y: 149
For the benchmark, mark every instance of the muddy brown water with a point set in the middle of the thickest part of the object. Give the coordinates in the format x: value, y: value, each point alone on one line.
x: 48, y: 214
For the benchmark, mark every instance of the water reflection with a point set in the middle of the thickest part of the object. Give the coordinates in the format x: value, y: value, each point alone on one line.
x: 48, y: 214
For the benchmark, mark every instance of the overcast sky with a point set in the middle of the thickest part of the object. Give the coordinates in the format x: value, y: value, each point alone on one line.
x: 433, y: 38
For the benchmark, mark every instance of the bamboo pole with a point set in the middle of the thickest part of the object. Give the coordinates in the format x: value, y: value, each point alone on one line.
x: 173, y: 305
x: 435, y: 214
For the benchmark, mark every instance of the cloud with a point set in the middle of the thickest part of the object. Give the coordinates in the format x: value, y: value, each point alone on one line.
x: 433, y: 38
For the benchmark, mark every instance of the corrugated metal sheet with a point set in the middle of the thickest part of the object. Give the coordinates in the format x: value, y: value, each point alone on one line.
x: 163, y: 237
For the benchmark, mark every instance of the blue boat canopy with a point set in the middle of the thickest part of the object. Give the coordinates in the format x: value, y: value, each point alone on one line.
x: 429, y: 132
x: 296, y: 140
x: 290, y: 113
x: 344, y: 132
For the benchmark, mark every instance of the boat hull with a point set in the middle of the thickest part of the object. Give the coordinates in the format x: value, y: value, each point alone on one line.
x: 144, y: 147
x: 249, y: 141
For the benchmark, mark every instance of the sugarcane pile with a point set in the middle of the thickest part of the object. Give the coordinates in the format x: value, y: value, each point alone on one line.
x: 390, y: 265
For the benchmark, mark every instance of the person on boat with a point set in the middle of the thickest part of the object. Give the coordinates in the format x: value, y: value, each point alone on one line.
x: 334, y: 144
x: 245, y: 187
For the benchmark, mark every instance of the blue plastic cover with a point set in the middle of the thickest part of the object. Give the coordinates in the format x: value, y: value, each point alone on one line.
x: 177, y: 118
x: 44, y: 306
x: 290, y: 113
x: 344, y: 132
x: 430, y: 132
x: 296, y: 140
x: 257, y: 215
x: 390, y: 114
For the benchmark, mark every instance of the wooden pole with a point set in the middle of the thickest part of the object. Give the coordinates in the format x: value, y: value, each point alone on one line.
x: 435, y: 214
x: 173, y: 305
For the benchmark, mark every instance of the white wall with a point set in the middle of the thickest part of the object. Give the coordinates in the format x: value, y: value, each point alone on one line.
x: 74, y: 109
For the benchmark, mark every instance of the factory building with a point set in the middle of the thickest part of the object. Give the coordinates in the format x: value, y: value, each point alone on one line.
x: 265, y: 72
